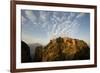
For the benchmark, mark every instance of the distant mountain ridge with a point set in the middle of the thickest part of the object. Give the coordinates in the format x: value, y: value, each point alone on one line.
x: 63, y: 48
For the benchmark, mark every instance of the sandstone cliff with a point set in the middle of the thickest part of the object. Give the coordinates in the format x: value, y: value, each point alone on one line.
x: 61, y: 49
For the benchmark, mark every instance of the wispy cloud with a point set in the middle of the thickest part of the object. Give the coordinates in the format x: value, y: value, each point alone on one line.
x: 29, y: 14
x: 68, y: 27
x: 55, y: 23
x: 80, y: 15
x: 23, y: 20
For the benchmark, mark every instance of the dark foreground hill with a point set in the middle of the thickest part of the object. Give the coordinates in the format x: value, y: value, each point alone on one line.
x: 25, y: 53
x: 61, y: 49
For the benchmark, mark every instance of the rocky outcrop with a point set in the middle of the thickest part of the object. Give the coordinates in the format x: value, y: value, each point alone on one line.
x: 25, y: 53
x: 63, y: 49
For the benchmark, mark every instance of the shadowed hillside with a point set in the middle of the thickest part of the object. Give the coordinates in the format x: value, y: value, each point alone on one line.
x: 25, y: 53
x: 60, y: 49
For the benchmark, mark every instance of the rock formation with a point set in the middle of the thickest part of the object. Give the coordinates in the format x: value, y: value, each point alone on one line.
x: 25, y: 53
x: 61, y: 49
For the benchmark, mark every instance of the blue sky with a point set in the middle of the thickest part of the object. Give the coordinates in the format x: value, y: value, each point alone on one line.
x: 41, y: 26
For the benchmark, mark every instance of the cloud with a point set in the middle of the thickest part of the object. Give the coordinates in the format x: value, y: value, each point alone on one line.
x: 80, y: 15
x: 43, y: 18
x: 69, y: 26
x: 29, y: 14
x: 63, y: 25
x: 23, y: 20
x: 43, y: 15
x: 55, y: 23
x: 71, y: 15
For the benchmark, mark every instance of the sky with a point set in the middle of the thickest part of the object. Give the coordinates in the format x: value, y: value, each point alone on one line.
x: 40, y: 26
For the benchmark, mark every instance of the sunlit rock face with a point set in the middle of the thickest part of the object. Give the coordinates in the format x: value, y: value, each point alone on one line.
x: 60, y: 49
